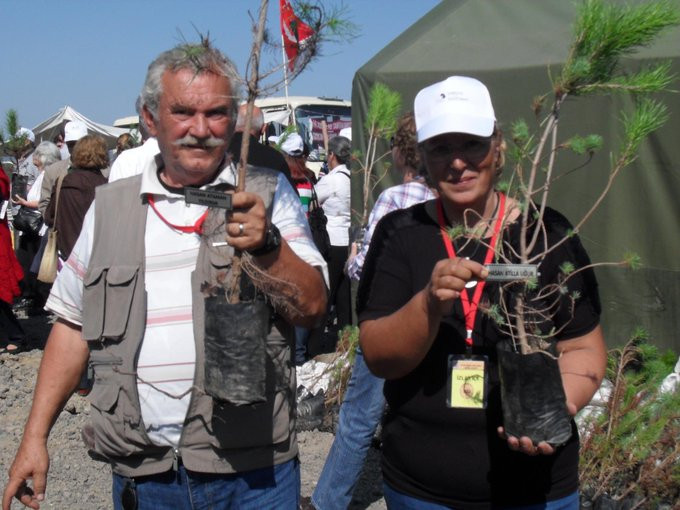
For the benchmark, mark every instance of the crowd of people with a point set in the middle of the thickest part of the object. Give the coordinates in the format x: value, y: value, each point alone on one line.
x: 140, y: 261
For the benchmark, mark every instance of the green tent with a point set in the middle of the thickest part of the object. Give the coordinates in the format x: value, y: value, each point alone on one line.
x: 510, y: 45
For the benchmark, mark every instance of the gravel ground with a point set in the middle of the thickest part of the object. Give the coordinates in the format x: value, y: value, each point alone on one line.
x: 75, y: 481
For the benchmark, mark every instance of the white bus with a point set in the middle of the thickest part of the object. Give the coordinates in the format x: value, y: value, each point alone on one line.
x: 309, y: 115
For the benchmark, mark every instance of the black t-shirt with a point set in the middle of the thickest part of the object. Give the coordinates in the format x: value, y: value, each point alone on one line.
x: 454, y: 456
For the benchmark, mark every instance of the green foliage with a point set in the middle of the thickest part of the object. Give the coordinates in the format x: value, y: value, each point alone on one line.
x: 14, y: 145
x: 456, y: 231
x: 12, y: 122
x: 341, y: 367
x: 606, y: 32
x: 531, y: 284
x: 632, y: 448
x: 496, y: 314
x: 567, y: 267
x: 585, y: 145
x: 520, y: 131
x: 503, y: 186
x: 632, y: 260
x: 384, y: 105
x: 648, y: 116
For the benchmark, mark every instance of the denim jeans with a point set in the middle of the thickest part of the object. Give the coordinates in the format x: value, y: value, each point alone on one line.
x: 301, y: 339
x: 399, y: 501
x: 273, y: 487
x: 360, y: 415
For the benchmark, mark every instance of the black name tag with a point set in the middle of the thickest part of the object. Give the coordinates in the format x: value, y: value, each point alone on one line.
x: 208, y: 198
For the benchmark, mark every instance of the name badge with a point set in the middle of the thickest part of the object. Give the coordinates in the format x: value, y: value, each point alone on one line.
x: 467, y: 384
x: 511, y: 272
x: 208, y: 198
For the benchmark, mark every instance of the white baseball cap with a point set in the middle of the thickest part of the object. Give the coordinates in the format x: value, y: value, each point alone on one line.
x: 346, y: 132
x: 22, y: 131
x: 74, y: 130
x: 293, y: 145
x: 458, y: 104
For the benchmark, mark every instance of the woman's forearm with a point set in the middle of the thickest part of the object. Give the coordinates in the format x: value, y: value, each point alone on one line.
x: 396, y: 344
x: 582, y: 362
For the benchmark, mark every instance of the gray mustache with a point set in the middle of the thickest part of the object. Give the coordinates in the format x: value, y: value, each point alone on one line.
x: 190, y: 140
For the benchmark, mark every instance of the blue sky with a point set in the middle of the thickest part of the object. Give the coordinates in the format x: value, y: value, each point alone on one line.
x: 93, y: 54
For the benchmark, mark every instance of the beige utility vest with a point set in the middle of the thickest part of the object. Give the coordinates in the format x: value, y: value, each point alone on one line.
x: 216, y: 438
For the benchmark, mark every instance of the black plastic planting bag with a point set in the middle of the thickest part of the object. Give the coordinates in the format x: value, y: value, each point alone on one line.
x: 534, y: 404
x: 235, y: 350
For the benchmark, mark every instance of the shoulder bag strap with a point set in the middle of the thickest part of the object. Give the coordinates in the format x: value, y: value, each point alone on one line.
x: 315, y: 200
x: 56, y: 203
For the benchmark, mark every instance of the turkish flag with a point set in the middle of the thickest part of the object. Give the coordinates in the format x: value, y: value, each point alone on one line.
x: 294, y: 31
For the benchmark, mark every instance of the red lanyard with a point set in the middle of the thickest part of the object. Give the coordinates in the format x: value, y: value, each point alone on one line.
x: 196, y: 227
x: 470, y: 307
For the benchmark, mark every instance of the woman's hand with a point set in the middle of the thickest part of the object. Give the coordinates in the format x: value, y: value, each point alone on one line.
x: 526, y: 445
x: 448, y: 279
x: 18, y: 200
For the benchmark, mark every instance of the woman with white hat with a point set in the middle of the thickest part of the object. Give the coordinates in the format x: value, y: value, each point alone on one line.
x: 417, y: 304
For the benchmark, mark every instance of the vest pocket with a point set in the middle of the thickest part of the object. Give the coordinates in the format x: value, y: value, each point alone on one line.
x: 118, y: 429
x: 107, y: 420
x: 107, y: 301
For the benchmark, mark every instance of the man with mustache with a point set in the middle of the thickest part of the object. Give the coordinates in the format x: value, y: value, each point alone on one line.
x: 130, y: 299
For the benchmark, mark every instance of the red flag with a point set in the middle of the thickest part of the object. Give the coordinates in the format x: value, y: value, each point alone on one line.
x: 294, y: 31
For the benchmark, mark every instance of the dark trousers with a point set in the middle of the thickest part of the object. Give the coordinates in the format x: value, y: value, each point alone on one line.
x: 10, y: 329
x: 27, y: 246
x: 340, y: 293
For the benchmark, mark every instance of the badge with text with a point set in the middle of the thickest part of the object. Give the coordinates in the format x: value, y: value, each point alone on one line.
x: 467, y: 382
x: 208, y: 198
x: 511, y: 272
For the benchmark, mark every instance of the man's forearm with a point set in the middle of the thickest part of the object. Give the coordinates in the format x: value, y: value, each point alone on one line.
x: 63, y: 362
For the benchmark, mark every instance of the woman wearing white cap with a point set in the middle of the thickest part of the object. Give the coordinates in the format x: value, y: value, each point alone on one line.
x: 414, y: 313
x: 294, y: 153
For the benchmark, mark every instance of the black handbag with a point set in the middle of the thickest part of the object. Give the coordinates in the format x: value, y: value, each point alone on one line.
x: 28, y: 221
x: 317, y: 224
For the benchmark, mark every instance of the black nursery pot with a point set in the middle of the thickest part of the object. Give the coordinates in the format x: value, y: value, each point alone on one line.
x: 235, y: 350
x: 534, y: 404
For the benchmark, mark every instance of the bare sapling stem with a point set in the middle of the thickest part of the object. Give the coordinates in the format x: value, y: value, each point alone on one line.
x: 253, y: 79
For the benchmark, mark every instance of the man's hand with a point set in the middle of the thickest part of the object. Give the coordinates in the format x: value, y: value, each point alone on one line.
x: 247, y: 222
x: 63, y: 362
x: 31, y: 462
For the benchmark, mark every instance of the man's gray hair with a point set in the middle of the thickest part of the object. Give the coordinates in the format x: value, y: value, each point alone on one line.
x: 199, y: 58
x: 47, y: 153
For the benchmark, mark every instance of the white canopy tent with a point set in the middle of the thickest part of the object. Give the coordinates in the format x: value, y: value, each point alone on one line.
x: 47, y: 129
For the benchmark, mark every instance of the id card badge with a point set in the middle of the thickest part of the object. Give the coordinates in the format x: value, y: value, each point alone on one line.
x: 467, y: 382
